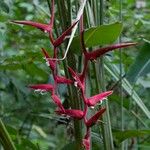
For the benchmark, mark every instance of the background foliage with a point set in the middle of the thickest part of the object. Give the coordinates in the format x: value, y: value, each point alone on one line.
x: 29, y: 117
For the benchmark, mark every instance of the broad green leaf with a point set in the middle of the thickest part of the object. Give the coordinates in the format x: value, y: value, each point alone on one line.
x: 100, y: 35
x: 123, y: 135
x: 105, y: 34
x: 141, y: 66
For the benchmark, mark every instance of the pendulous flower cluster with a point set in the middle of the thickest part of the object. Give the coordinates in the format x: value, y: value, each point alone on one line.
x: 78, y: 79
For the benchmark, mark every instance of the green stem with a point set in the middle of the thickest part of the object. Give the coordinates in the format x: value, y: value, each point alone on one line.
x: 107, y: 132
x: 74, y: 100
x: 120, y: 67
x: 5, y: 139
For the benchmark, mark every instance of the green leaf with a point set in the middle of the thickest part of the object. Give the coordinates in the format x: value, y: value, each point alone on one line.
x: 97, y: 142
x: 116, y: 98
x: 100, y: 35
x: 24, y: 144
x: 27, y: 145
x: 10, y: 67
x: 114, y: 71
x: 33, y: 70
x: 123, y: 135
x: 141, y: 65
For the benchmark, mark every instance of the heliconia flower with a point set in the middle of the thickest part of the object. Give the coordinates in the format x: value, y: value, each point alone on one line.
x: 41, y: 26
x: 48, y: 28
x: 61, y: 38
x: 86, y: 143
x: 57, y: 101
x: 76, y: 78
x: 95, y: 118
x: 74, y: 113
x: 51, y: 63
x: 92, y: 101
x: 63, y: 80
x: 45, y: 87
x: 97, y: 53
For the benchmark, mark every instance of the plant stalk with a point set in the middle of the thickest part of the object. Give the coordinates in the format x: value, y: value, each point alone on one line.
x: 120, y: 76
x: 107, y: 132
x: 74, y: 99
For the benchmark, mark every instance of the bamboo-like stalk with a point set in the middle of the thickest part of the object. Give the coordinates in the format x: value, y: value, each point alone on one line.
x: 70, y: 61
x: 107, y: 132
x: 5, y: 139
x: 120, y: 76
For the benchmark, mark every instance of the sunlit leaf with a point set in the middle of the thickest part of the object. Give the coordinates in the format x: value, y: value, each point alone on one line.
x: 100, y: 35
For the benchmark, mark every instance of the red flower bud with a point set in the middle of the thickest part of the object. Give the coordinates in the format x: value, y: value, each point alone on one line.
x: 97, y: 53
x: 43, y: 27
x: 45, y: 87
x: 61, y: 38
x: 95, y: 118
x: 76, y: 78
x: 63, y: 80
x: 77, y: 114
x: 92, y: 101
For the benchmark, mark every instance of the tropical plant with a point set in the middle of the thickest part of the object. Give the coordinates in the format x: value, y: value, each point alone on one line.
x: 79, y: 69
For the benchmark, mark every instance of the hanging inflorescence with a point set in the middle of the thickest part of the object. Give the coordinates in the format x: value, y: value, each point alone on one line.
x: 78, y: 79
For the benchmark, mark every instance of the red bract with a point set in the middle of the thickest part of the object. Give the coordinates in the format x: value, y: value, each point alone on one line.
x: 76, y: 78
x: 51, y: 63
x: 97, y: 53
x: 62, y: 37
x: 45, y: 87
x: 63, y: 80
x: 95, y: 118
x: 48, y: 28
x: 92, y: 101
x: 43, y: 27
x: 57, y: 101
x: 77, y: 114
